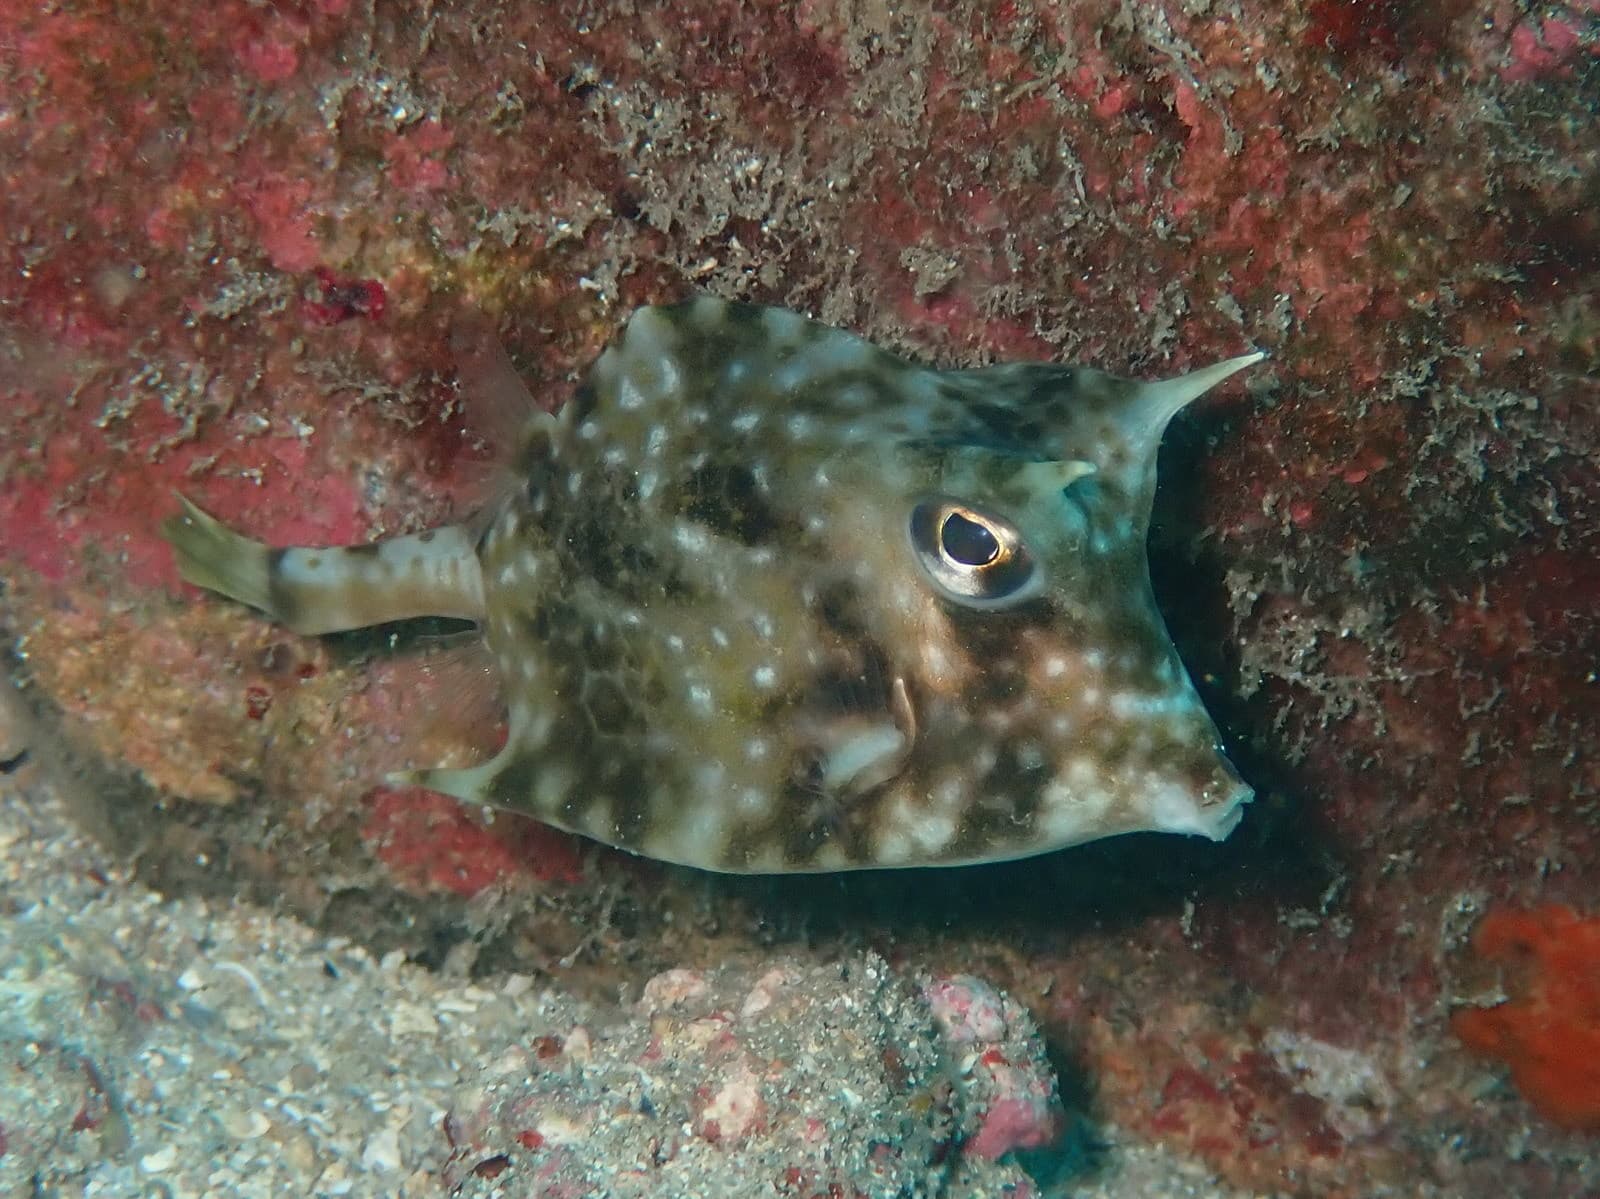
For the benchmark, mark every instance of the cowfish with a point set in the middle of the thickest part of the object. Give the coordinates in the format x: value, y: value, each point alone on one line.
x: 763, y: 597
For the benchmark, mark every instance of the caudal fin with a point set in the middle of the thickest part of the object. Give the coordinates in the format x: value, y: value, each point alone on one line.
x: 213, y: 556
x: 434, y: 573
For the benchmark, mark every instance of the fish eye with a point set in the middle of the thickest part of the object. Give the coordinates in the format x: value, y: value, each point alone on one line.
x: 967, y: 542
x: 971, y: 557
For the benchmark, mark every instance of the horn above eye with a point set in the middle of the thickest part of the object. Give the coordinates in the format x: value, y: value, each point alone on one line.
x: 972, y: 557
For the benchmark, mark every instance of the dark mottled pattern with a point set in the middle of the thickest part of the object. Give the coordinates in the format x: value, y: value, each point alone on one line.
x: 764, y: 597
x: 720, y: 647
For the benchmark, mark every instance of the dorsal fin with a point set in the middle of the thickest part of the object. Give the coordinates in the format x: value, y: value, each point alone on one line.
x: 497, y: 405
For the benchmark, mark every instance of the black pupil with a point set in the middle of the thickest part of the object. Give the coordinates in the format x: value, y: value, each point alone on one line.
x: 967, y: 542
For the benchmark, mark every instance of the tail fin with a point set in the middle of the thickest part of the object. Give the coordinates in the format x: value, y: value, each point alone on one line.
x: 434, y: 573
x: 213, y: 556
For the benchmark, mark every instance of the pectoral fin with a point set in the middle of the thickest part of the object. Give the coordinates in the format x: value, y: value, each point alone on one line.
x: 860, y: 754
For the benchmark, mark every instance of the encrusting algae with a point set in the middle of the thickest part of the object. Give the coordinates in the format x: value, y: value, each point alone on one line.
x: 766, y: 598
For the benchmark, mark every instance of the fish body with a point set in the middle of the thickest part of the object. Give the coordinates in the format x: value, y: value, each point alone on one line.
x: 764, y: 597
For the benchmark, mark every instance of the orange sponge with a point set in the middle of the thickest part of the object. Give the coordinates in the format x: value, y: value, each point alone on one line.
x: 1549, y: 1035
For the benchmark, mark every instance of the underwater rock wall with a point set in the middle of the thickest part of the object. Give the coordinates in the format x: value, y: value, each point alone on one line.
x: 237, y: 235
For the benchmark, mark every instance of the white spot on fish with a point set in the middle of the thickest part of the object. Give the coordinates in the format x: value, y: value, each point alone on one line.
x: 691, y: 538
x: 754, y: 804
x: 629, y: 396
x: 670, y: 380
x: 783, y: 325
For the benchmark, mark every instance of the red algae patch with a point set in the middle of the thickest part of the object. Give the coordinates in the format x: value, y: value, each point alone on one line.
x: 1550, y: 1034
x: 432, y: 843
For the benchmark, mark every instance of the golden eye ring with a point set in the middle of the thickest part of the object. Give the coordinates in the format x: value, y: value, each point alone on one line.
x: 972, y: 556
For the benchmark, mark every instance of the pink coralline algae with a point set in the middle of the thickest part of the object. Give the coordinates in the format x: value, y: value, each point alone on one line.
x: 432, y: 844
x: 1012, y: 1088
x: 1550, y: 47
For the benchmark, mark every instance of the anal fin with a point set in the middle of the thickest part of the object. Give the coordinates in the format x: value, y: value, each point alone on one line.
x: 469, y: 784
